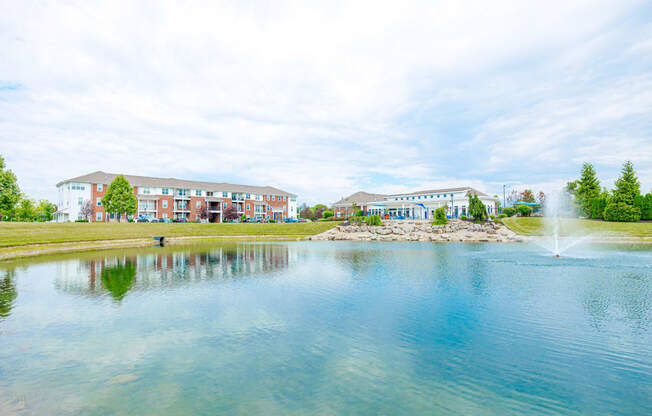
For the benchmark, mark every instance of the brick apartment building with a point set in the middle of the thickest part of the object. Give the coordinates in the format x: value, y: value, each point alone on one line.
x: 174, y: 199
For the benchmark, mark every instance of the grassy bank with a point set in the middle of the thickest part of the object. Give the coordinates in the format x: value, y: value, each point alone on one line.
x: 572, y: 226
x: 20, y: 234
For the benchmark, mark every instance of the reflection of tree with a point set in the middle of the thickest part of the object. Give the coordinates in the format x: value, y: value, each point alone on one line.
x: 8, y: 294
x: 119, y: 279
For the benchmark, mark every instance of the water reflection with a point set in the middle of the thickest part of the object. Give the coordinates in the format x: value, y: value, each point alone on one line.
x: 8, y: 293
x: 117, y: 275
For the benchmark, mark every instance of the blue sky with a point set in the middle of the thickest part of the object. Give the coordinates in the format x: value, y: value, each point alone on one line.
x: 325, y: 99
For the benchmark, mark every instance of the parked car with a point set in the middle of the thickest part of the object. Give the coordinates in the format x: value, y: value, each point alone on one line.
x: 291, y: 220
x: 153, y: 220
x: 141, y: 218
x: 254, y: 219
x: 180, y: 220
x: 165, y: 220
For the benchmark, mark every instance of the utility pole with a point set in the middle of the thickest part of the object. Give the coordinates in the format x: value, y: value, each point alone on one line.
x: 503, y: 196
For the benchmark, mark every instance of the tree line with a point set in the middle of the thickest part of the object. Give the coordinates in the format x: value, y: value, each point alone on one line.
x: 623, y: 203
x: 315, y: 212
x: 15, y: 205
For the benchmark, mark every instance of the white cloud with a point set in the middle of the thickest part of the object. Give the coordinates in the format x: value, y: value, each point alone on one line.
x: 316, y: 99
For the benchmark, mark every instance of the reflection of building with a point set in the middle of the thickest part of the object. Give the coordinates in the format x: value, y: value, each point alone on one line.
x: 170, y: 269
x: 175, y: 198
x: 419, y: 204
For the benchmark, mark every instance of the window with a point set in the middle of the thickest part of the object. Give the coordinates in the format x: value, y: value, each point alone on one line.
x: 208, y: 193
x: 197, y: 192
x: 99, y: 201
x: 438, y: 196
x: 99, y: 187
x: 145, y: 191
x: 98, y: 216
x: 273, y: 197
x: 182, y: 192
x: 225, y: 194
x: 225, y: 205
x: 80, y: 201
x: 269, y: 208
x: 248, y: 207
x: 165, y: 203
x: 165, y: 215
x: 248, y: 196
x: 165, y: 191
x: 444, y: 195
x: 199, y: 204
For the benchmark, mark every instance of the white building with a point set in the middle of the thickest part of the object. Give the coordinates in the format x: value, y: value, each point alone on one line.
x: 419, y: 204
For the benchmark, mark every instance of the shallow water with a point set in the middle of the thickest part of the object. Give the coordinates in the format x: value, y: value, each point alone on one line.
x: 328, y: 328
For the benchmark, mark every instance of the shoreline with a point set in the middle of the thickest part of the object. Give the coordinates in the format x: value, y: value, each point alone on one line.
x: 335, y: 234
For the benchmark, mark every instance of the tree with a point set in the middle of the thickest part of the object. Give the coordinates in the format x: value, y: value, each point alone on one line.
x: 588, y: 188
x: 327, y: 214
x: 627, y: 186
x: 318, y: 210
x: 306, y: 213
x: 621, y: 205
x: 231, y: 213
x: 26, y: 211
x: 9, y: 192
x: 86, y: 210
x: 527, y: 196
x: 498, y: 207
x: 119, y: 198
x: 45, y: 210
x: 513, y: 196
x: 477, y: 209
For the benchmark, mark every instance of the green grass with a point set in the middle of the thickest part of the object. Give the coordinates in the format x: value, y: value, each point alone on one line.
x: 568, y: 226
x: 18, y: 234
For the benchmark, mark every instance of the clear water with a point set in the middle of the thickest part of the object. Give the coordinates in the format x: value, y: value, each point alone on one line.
x: 328, y: 328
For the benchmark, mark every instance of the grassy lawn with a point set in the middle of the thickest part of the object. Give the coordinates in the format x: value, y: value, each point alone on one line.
x: 17, y: 234
x: 568, y: 226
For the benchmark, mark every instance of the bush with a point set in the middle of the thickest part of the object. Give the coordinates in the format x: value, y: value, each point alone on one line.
x: 644, y: 204
x: 440, y: 217
x: 621, y: 212
x: 492, y: 217
x: 597, y: 207
x: 502, y: 216
x: 373, y: 220
x: 464, y: 217
x: 509, y: 212
x: 81, y: 220
x: 327, y: 214
x: 272, y: 221
x: 359, y: 213
x: 524, y: 210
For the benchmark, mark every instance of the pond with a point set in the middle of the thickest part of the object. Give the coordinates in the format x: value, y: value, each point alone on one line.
x: 328, y: 328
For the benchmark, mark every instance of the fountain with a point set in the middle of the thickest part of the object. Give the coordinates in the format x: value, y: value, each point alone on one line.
x: 557, y: 207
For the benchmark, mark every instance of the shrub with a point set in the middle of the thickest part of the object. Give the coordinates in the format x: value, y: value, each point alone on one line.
x: 272, y: 221
x: 502, y: 216
x: 509, y: 212
x: 464, y: 217
x: 81, y: 220
x: 327, y: 214
x: 493, y: 217
x: 621, y: 212
x: 644, y: 204
x: 373, y: 220
x: 598, y: 204
x: 440, y: 217
x: 524, y: 210
x: 359, y: 213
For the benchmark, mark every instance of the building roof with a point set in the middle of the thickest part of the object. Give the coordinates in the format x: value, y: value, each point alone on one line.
x: 443, y: 190
x: 152, y: 182
x: 359, y: 198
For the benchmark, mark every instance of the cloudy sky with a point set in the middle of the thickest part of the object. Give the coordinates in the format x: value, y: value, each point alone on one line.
x: 329, y: 98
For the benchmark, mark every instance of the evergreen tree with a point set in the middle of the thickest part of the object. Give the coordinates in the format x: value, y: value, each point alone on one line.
x: 9, y: 192
x: 627, y: 186
x: 588, y: 189
x: 621, y: 206
x: 119, y: 198
x: 477, y: 209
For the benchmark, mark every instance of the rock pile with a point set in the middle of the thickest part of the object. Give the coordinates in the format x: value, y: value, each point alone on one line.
x: 421, y: 230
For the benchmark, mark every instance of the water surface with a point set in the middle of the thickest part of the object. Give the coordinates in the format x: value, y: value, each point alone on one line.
x: 328, y: 328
